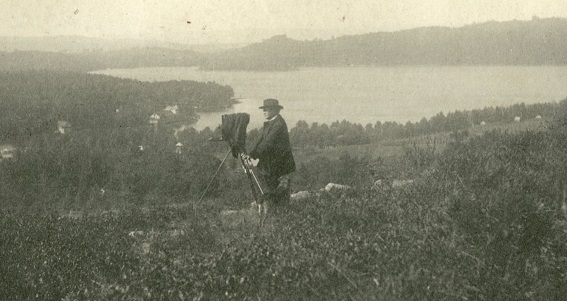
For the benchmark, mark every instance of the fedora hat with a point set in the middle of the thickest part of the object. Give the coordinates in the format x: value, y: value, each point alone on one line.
x: 271, y: 103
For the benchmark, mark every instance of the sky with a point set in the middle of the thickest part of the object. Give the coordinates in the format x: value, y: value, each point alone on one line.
x: 246, y: 21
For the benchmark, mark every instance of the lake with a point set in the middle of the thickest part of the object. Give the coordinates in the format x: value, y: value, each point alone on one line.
x: 370, y: 94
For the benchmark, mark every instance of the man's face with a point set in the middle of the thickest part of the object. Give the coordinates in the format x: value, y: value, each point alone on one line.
x: 269, y: 113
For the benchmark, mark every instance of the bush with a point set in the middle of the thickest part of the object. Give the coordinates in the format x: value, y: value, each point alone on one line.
x: 502, y: 193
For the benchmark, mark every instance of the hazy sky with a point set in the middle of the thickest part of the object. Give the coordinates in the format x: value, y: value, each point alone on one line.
x: 226, y: 21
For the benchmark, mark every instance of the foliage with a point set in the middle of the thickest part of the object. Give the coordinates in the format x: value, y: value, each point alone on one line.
x: 346, y: 133
x: 502, y: 43
x: 481, y: 223
x: 91, y: 169
x: 317, y: 173
x: 418, y: 158
x: 483, y: 220
x: 33, y: 102
x: 505, y: 196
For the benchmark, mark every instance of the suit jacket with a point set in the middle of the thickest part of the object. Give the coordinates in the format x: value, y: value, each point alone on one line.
x: 273, y: 149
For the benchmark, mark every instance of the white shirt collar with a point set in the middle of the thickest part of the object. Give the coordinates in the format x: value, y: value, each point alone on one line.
x: 272, y: 119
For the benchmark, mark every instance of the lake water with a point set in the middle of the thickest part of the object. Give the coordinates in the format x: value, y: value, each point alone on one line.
x: 369, y: 94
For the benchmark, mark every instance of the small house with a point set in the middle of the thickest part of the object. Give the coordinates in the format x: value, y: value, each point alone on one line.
x: 483, y: 123
x: 517, y: 119
x: 538, y: 117
x: 63, y: 126
x: 7, y: 151
x: 154, y: 119
x: 172, y: 109
x: 178, y: 147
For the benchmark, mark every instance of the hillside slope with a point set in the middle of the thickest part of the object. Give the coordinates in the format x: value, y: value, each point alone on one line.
x: 535, y: 42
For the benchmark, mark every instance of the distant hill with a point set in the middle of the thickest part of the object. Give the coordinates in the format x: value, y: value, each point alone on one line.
x: 535, y: 42
x: 98, y: 60
x: 75, y: 44
x: 79, y: 54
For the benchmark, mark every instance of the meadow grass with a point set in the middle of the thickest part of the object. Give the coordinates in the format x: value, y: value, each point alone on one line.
x: 483, y: 222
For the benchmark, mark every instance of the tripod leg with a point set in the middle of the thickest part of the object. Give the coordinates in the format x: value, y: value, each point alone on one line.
x: 213, y: 178
x: 255, y: 184
x: 247, y: 170
x: 263, y: 213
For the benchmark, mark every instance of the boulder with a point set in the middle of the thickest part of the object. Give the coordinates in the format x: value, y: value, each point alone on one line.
x: 333, y: 186
x: 300, y: 195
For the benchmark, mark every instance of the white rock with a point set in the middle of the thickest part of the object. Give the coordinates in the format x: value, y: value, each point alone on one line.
x: 300, y: 195
x: 333, y: 186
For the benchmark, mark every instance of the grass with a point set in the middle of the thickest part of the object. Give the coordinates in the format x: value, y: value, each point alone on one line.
x: 310, y: 252
x: 482, y: 223
x: 393, y: 245
x: 393, y: 148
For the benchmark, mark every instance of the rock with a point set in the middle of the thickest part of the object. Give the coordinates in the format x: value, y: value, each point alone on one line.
x: 334, y: 186
x: 300, y: 195
x: 135, y: 233
x: 401, y: 183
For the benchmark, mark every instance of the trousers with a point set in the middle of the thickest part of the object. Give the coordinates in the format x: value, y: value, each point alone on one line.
x: 277, y: 190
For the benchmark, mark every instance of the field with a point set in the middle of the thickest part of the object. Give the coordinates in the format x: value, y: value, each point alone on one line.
x: 393, y: 148
x: 486, y: 220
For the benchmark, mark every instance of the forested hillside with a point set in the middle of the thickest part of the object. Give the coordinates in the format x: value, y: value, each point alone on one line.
x: 340, y: 133
x: 98, y: 60
x: 77, y: 133
x: 33, y: 102
x: 535, y: 42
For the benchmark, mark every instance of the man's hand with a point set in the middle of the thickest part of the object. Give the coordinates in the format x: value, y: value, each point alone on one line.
x: 248, y: 160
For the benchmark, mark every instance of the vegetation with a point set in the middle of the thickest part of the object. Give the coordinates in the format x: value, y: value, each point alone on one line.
x: 110, y: 155
x: 346, y: 133
x: 86, y: 170
x: 481, y: 222
x: 535, y: 42
x: 32, y: 102
x: 490, y: 43
x: 112, y: 147
x: 111, y: 212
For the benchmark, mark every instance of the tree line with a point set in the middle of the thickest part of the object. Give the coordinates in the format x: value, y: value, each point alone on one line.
x: 535, y: 42
x: 340, y: 133
x: 32, y: 102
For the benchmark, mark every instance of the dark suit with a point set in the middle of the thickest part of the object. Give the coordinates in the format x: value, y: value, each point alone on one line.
x: 273, y: 149
x: 274, y: 152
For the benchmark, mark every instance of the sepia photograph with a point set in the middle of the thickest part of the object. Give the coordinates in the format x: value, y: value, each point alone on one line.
x: 283, y: 150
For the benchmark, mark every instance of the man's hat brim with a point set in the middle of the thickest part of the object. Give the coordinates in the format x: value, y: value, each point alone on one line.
x: 273, y: 106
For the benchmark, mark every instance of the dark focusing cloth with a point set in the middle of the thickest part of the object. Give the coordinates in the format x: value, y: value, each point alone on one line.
x: 233, y: 130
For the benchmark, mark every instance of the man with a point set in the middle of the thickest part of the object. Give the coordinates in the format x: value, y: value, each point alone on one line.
x: 274, y: 153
